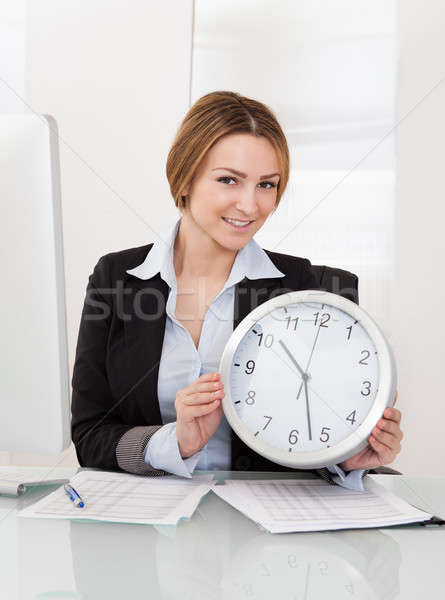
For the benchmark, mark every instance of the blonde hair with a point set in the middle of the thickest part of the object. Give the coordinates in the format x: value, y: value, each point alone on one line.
x: 211, y: 117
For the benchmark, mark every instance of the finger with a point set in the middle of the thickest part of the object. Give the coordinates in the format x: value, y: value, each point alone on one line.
x: 202, y: 398
x: 192, y: 412
x: 392, y: 414
x: 390, y: 427
x: 395, y: 398
x: 207, y: 386
x: 201, y: 388
x: 385, y: 454
x: 204, y: 378
x: 387, y: 439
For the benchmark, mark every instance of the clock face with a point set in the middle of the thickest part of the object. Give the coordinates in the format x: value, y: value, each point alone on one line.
x: 303, y: 379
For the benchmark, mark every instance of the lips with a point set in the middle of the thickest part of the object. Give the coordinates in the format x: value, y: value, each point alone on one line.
x: 237, y: 224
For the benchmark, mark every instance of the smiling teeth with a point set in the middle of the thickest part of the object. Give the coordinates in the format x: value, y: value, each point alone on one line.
x: 237, y: 223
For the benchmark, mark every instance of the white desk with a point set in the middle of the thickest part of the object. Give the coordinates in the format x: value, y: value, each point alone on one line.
x: 220, y: 554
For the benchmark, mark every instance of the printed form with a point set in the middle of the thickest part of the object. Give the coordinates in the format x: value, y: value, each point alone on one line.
x: 125, y: 498
x: 290, y: 505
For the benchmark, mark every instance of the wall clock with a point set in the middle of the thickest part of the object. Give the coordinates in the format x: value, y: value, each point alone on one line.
x: 307, y: 375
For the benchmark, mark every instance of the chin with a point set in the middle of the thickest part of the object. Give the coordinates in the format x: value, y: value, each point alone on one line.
x: 230, y: 244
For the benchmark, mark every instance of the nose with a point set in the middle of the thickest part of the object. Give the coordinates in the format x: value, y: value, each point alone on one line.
x: 246, y: 201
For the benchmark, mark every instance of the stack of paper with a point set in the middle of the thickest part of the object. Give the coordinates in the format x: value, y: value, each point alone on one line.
x: 288, y: 505
x: 125, y: 498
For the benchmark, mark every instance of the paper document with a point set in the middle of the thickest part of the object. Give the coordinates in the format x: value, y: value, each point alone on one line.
x: 288, y: 505
x: 125, y: 498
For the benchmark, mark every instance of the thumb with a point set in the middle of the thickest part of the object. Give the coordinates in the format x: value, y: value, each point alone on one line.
x: 395, y: 399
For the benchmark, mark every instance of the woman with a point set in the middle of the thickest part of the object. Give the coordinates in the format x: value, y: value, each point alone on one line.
x: 146, y: 392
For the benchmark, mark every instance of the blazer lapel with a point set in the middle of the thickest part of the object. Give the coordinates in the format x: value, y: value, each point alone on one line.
x: 250, y: 293
x: 144, y: 320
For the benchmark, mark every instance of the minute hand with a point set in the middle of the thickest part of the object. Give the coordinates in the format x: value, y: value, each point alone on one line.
x: 310, y: 358
x: 308, y: 412
x: 305, y: 378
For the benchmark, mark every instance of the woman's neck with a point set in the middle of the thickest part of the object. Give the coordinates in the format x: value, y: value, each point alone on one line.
x: 196, y: 254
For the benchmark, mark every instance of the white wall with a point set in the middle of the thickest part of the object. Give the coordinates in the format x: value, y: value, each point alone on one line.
x: 419, y: 285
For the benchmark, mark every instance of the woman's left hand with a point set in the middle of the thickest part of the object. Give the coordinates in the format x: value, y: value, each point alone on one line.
x: 383, y: 443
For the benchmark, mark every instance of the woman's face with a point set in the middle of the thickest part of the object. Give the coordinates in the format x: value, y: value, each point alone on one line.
x: 237, y: 180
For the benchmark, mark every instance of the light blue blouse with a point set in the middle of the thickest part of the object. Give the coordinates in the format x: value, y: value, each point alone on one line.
x: 182, y: 363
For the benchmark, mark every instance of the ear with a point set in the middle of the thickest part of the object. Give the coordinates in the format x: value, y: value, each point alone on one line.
x: 186, y: 190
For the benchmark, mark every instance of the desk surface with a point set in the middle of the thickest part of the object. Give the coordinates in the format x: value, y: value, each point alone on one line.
x: 220, y: 554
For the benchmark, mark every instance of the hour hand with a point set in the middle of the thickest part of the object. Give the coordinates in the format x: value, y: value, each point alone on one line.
x: 286, y: 349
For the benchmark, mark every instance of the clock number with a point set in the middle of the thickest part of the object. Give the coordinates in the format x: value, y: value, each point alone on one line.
x: 367, y: 385
x: 292, y: 561
x: 270, y: 419
x: 289, y: 319
x: 293, y: 436
x: 365, y: 358
x: 324, y: 433
x: 324, y: 319
x: 250, y: 397
x: 351, y: 417
x: 350, y: 330
x: 268, y: 340
x: 250, y: 366
x: 323, y: 567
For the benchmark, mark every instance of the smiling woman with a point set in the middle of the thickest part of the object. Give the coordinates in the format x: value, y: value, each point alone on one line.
x: 230, y: 209
x: 146, y: 389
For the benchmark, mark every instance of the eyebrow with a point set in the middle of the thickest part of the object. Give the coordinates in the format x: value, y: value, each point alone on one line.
x: 243, y: 175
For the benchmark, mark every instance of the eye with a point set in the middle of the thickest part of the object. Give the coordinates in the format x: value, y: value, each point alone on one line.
x: 271, y: 183
x: 223, y: 179
x: 262, y: 184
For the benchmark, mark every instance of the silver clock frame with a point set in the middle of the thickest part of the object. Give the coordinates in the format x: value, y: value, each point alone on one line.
x: 357, y: 440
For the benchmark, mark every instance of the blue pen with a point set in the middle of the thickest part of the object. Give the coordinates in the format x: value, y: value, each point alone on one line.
x: 73, y: 495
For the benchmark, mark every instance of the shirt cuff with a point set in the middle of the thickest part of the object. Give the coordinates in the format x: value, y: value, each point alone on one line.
x: 352, y: 481
x: 162, y: 452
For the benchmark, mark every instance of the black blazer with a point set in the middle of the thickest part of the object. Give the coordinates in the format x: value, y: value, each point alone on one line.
x: 115, y: 407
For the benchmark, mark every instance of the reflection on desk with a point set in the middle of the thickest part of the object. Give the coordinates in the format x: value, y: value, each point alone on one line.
x: 258, y: 565
x: 220, y: 554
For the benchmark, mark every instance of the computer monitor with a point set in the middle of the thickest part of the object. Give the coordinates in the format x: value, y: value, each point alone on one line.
x: 34, y: 373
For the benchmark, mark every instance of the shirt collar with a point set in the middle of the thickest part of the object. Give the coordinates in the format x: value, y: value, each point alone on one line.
x: 251, y: 261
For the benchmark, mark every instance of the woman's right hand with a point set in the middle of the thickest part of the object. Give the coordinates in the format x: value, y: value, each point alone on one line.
x: 198, y: 412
